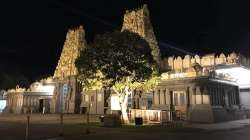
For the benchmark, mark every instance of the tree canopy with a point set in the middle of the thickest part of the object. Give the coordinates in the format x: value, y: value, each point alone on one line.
x: 117, y: 59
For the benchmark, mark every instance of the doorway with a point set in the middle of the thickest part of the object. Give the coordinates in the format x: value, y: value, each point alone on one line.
x: 41, y: 105
x: 83, y: 110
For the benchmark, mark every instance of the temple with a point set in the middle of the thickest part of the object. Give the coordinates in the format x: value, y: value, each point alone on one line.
x: 34, y: 99
x: 208, y: 88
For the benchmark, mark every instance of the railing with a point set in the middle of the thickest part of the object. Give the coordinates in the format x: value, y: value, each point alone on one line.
x: 179, y: 115
x: 149, y: 116
x: 156, y: 116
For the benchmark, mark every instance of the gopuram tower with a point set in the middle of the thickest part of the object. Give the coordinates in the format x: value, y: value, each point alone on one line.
x: 75, y: 41
x: 138, y: 21
x: 67, y: 96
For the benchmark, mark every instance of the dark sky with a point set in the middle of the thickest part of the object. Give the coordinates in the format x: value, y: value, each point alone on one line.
x: 32, y: 32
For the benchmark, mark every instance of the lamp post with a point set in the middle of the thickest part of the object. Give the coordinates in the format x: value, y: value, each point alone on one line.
x: 61, y: 124
x: 27, y: 127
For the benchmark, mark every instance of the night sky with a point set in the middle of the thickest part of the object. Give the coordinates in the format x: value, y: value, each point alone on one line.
x: 33, y: 32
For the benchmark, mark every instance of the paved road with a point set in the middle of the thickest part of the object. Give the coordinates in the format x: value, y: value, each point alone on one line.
x: 47, y: 128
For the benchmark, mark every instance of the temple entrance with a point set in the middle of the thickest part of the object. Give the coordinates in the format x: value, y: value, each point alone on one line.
x: 83, y: 110
x: 41, y: 105
x: 180, y: 105
x: 44, y: 106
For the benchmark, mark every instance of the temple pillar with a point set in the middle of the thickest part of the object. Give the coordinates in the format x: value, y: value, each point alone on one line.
x: 167, y: 97
x: 187, y: 97
x: 156, y: 101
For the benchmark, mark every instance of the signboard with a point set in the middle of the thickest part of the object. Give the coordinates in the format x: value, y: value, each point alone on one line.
x: 65, y: 89
x: 3, y: 104
x: 63, y: 94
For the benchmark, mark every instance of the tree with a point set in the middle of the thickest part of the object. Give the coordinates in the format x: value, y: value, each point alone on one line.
x: 118, y: 60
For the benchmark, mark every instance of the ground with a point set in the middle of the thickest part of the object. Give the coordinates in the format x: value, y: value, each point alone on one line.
x: 46, y: 127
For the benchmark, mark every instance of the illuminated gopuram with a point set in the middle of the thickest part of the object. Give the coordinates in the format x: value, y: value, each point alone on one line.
x: 138, y: 21
x: 67, y: 93
x: 75, y: 41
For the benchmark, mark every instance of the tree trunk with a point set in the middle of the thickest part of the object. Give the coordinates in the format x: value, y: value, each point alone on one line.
x: 124, y: 106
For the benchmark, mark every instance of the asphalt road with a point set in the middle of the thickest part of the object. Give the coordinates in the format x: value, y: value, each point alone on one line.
x: 47, y: 128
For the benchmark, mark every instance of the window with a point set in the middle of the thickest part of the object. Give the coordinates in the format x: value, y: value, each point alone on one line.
x: 231, y: 98
x: 176, y: 99
x: 182, y: 99
x: 179, y: 98
x: 164, y: 95
x: 159, y: 96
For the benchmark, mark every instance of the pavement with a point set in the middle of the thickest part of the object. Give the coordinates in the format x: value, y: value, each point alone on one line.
x: 76, y: 119
x: 230, y: 125
x: 47, y: 127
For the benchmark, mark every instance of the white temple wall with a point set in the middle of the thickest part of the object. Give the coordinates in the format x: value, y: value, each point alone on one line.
x: 244, y: 99
x: 187, y: 62
x: 178, y: 64
x: 93, y: 101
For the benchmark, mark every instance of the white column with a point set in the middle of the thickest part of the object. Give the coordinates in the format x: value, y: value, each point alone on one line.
x: 156, y: 99
x: 167, y: 93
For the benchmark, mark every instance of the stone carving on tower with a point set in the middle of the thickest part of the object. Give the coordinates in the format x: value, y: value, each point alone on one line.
x: 75, y: 41
x: 66, y: 96
x: 138, y: 21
